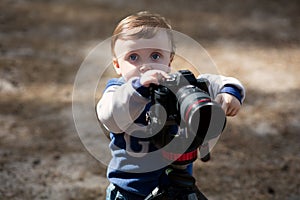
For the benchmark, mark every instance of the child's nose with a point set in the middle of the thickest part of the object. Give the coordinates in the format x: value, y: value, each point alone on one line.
x: 145, y: 68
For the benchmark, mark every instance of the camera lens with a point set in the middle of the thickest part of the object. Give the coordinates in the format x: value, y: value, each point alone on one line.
x: 203, y: 117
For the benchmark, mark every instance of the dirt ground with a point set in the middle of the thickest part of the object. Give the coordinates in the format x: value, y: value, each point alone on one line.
x: 43, y: 43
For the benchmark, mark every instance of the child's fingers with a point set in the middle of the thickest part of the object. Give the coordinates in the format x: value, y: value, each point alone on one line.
x: 231, y: 112
x: 164, y: 74
x: 153, y: 76
x: 220, y: 99
x: 233, y: 107
x: 229, y: 104
x: 225, y: 107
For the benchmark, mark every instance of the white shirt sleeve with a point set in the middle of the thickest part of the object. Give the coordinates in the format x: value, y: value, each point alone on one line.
x: 217, y: 82
x: 120, y: 106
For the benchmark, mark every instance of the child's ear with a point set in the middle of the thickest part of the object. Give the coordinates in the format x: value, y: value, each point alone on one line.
x: 116, y: 66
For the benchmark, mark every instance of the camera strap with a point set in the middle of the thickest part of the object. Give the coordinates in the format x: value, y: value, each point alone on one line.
x: 177, y: 158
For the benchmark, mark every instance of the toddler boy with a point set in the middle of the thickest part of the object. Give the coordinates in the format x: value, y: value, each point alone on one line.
x: 143, y: 50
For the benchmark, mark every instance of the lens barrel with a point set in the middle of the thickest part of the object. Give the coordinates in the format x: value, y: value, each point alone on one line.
x: 204, y: 118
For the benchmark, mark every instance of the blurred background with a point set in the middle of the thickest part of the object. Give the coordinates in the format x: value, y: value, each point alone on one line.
x: 43, y: 43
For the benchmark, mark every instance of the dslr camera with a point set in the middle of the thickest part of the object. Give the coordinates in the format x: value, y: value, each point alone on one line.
x: 183, y: 116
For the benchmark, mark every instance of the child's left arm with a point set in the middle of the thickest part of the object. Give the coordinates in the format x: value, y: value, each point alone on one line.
x: 227, y: 91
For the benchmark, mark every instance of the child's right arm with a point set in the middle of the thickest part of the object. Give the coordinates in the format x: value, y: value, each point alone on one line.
x: 119, y: 106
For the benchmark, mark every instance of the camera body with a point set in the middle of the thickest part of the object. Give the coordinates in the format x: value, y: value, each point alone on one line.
x: 183, y: 116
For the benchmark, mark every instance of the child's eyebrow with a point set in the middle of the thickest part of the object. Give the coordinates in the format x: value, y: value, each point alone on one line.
x: 152, y: 50
x: 159, y: 50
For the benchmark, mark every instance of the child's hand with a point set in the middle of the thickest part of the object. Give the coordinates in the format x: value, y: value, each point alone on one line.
x: 230, y: 104
x: 153, y: 76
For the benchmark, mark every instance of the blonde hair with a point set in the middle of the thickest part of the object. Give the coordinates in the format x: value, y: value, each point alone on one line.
x: 141, y: 25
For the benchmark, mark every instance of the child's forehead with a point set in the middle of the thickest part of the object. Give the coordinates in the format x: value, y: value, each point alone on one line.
x: 160, y: 41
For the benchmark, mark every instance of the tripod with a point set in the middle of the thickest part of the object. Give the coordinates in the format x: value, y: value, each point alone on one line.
x: 181, y: 187
x: 182, y: 184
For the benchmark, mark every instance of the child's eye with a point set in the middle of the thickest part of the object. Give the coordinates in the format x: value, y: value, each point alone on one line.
x: 155, y: 56
x: 133, y: 57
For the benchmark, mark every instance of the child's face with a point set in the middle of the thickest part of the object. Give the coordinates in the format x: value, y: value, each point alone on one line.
x: 135, y: 57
